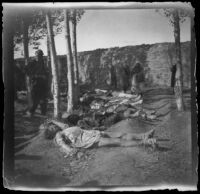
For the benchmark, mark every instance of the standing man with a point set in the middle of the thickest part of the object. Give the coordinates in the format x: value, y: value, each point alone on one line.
x: 38, y: 73
x: 173, y: 75
x: 125, y: 72
x: 138, y: 79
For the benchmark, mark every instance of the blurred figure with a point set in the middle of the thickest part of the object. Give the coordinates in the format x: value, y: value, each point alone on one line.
x: 125, y: 74
x: 19, y: 79
x: 173, y: 76
x: 137, y: 79
x: 38, y: 73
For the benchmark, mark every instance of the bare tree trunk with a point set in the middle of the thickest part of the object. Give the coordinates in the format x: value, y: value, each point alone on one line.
x: 194, y: 132
x: 25, y: 27
x: 8, y: 78
x: 50, y: 79
x: 48, y: 54
x: 54, y: 66
x: 59, y: 73
x: 74, y: 50
x: 179, y: 77
x: 69, y: 65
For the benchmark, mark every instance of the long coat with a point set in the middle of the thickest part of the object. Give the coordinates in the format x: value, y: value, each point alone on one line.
x: 173, y: 75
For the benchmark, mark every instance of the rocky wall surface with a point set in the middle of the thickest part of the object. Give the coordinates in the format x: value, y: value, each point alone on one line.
x: 101, y: 67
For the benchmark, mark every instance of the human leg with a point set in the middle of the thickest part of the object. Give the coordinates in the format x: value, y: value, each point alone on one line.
x: 109, y: 134
x: 43, y: 90
x: 128, y: 136
x: 109, y: 142
x: 138, y: 136
x: 35, y: 100
x: 103, y: 142
x: 146, y: 143
x: 43, y: 106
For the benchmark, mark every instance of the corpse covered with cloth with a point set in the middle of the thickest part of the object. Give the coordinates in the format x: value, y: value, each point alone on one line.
x: 69, y: 138
x: 112, y: 108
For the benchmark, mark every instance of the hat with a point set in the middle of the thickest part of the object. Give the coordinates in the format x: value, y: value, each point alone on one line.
x: 39, y: 52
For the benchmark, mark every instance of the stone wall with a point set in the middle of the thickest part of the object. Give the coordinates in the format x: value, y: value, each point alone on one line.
x: 160, y: 58
x: 95, y: 67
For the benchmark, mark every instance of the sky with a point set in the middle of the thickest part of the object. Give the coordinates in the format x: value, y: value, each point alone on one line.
x: 119, y: 27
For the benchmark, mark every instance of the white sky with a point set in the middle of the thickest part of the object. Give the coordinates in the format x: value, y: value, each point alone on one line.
x: 120, y: 27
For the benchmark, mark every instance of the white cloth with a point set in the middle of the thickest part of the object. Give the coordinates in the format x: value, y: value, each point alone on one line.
x: 80, y: 138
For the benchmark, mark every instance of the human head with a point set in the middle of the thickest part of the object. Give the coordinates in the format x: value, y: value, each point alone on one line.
x: 39, y: 54
x: 137, y: 68
x: 51, y: 130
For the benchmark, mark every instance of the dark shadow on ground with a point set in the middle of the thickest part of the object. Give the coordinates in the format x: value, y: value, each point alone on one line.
x: 27, y: 157
x: 164, y: 91
x: 158, y: 91
x: 163, y: 149
x: 157, y: 108
x: 26, y: 178
x: 163, y: 139
x: 164, y: 114
x: 148, y: 122
x: 20, y: 140
x: 92, y: 183
x: 153, y: 100
x: 19, y: 148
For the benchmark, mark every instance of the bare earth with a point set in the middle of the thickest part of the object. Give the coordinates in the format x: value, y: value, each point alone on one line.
x: 40, y: 164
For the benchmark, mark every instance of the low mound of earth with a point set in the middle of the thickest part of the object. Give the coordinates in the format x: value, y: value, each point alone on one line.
x: 39, y: 163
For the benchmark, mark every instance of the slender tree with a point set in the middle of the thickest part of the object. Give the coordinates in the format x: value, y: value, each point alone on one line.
x: 48, y: 53
x: 177, y: 16
x: 69, y: 63
x: 50, y: 82
x: 54, y: 65
x: 74, y: 51
x: 25, y: 26
x: 179, y: 77
x: 75, y: 16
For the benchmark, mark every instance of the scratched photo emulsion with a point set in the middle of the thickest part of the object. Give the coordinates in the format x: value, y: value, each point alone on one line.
x: 99, y: 96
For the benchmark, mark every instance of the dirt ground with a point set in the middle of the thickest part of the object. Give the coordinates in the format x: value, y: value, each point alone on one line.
x: 40, y: 164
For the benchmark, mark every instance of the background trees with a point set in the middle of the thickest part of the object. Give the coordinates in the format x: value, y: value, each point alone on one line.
x: 37, y: 24
x: 54, y: 65
x: 70, y: 65
x: 24, y: 20
x: 75, y: 18
x: 176, y: 16
x: 178, y: 89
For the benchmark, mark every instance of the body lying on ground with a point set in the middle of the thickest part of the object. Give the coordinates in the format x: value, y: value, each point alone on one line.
x: 107, y: 118
x: 68, y: 138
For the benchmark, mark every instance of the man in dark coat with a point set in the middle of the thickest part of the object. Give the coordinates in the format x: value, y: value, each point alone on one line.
x: 173, y: 76
x: 38, y: 73
x: 138, y: 78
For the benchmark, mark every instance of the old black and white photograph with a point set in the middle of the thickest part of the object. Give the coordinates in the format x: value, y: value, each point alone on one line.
x: 99, y: 96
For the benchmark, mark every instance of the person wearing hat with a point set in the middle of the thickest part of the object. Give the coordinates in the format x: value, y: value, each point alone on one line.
x: 38, y: 74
